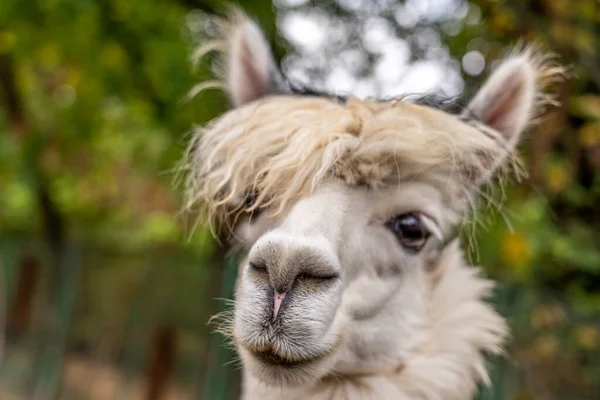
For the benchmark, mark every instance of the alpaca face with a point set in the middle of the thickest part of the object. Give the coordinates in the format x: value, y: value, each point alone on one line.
x: 345, y: 208
x: 338, y: 282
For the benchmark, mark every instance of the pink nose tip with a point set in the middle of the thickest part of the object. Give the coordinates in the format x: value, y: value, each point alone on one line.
x: 277, y: 303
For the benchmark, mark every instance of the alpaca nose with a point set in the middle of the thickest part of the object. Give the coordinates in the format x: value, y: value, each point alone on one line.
x: 277, y: 300
x: 287, y: 259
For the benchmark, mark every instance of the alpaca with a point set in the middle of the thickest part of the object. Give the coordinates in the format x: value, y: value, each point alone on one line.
x: 354, y: 285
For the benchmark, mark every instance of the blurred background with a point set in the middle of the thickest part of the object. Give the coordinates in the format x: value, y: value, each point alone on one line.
x: 106, y: 292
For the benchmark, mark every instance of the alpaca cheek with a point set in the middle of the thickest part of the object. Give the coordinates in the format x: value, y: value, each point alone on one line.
x: 388, y: 270
x: 365, y: 297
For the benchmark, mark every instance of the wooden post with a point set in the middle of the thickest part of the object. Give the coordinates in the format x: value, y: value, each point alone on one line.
x: 221, y: 382
x: 3, y: 307
x: 161, y: 359
x: 19, y: 316
x: 56, y: 325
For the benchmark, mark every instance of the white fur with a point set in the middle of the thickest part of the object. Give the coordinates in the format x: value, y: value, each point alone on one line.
x: 397, y: 325
x: 363, y: 317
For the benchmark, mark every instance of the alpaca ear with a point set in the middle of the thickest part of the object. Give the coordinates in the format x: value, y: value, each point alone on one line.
x: 252, y: 72
x: 507, y: 99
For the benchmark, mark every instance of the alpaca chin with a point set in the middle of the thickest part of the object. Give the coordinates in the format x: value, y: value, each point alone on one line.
x: 279, y: 373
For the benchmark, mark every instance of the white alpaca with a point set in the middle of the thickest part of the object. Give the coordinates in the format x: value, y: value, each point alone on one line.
x: 354, y: 287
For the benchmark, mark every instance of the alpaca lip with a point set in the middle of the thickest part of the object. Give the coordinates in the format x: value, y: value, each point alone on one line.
x: 269, y: 356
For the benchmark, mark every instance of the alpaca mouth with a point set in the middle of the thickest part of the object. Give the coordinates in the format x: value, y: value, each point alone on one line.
x: 270, y: 356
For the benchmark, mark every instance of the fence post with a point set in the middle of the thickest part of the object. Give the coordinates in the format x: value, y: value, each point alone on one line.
x: 161, y: 360
x: 216, y: 385
x: 19, y: 316
x: 3, y: 308
x: 49, y: 362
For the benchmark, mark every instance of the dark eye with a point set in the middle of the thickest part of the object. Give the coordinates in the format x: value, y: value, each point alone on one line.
x: 410, y: 231
x: 249, y: 200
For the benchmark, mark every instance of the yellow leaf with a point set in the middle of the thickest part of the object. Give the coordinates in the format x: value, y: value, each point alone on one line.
x: 503, y: 21
x: 546, y: 346
x: 588, y: 336
x: 584, y: 41
x: 114, y: 56
x: 516, y: 254
x: 50, y: 55
x: 8, y: 40
x: 73, y: 77
x: 557, y: 178
x: 589, y: 134
x: 558, y: 7
x: 562, y: 33
x: 586, y: 106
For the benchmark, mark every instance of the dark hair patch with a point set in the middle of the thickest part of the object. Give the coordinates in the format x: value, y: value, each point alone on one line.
x: 304, y: 90
x: 451, y: 105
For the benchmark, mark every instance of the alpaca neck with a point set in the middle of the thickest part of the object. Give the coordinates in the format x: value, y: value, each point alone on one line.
x: 449, y: 361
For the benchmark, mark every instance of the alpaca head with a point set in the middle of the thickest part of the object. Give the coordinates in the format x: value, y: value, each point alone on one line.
x: 346, y: 208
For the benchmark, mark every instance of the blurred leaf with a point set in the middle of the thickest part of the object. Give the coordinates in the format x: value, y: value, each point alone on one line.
x: 516, y: 254
x: 588, y: 336
x: 557, y: 177
x: 589, y: 134
x: 586, y: 106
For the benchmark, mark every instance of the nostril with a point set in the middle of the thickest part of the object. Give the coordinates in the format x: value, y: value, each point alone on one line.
x: 258, y: 266
x: 277, y: 300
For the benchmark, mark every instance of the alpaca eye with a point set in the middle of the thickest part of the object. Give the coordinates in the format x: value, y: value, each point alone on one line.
x: 410, y: 231
x: 250, y: 198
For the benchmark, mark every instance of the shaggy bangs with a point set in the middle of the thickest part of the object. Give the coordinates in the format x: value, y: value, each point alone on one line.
x: 269, y: 152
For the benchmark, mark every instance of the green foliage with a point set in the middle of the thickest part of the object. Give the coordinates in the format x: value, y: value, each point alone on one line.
x: 91, y: 128
x: 550, y: 253
x: 91, y: 118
